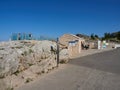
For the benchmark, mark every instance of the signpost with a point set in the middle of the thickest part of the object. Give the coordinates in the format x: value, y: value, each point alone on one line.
x: 57, y: 52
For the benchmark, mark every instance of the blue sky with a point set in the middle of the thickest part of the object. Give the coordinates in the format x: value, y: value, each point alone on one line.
x: 56, y: 17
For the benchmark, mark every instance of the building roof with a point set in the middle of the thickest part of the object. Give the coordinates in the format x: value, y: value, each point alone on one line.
x: 74, y: 36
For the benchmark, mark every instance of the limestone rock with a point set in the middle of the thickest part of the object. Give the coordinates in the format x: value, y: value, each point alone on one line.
x: 23, y: 61
x: 2, y: 85
x: 64, y: 56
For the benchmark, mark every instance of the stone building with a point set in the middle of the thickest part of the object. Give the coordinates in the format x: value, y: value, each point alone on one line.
x: 72, y: 42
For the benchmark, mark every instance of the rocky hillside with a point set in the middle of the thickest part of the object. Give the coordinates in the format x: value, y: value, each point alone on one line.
x: 23, y: 61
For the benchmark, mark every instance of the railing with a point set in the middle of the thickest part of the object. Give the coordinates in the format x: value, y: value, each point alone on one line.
x: 29, y: 36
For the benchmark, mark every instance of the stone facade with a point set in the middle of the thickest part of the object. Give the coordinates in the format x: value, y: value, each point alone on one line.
x: 72, y: 42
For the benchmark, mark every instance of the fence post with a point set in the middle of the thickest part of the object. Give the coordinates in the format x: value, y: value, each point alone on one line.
x: 57, y: 52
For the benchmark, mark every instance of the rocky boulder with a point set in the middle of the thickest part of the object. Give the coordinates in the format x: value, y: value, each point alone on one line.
x: 25, y: 60
x: 64, y: 56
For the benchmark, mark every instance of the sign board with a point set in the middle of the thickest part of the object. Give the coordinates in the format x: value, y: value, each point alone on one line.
x: 104, y: 44
x: 99, y: 44
x: 72, y: 43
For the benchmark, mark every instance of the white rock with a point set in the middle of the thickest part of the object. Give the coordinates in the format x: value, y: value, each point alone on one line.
x: 28, y: 58
x: 64, y: 56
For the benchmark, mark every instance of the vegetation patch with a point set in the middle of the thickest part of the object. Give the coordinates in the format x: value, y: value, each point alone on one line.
x: 17, y: 72
x: 30, y: 64
x: 30, y: 51
x: 2, y: 76
x: 25, y: 53
x: 19, y: 47
x: 38, y: 73
x: 43, y: 71
x: 28, y: 80
x: 63, y: 61
x: 2, y: 48
x: 1, y: 57
x: 9, y: 88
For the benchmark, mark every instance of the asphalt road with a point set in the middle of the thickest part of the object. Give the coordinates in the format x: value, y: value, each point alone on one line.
x: 94, y: 72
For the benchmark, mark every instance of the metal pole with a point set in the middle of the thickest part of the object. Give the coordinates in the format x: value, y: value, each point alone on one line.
x: 57, y: 52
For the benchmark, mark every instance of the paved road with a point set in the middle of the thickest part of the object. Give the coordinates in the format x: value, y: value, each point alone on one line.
x: 94, y: 72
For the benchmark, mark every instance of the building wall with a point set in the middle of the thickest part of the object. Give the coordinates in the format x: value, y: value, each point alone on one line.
x: 73, y: 48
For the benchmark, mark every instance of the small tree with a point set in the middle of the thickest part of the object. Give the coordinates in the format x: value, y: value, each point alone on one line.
x: 107, y: 36
x: 92, y: 36
x: 118, y: 35
x: 96, y: 36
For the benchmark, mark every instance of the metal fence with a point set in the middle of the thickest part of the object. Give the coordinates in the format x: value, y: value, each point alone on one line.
x: 21, y: 36
x: 29, y: 36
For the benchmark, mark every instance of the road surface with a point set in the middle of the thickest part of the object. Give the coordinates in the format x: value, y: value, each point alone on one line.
x: 94, y: 72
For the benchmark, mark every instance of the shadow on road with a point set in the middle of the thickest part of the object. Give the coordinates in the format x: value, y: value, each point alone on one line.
x: 108, y: 61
